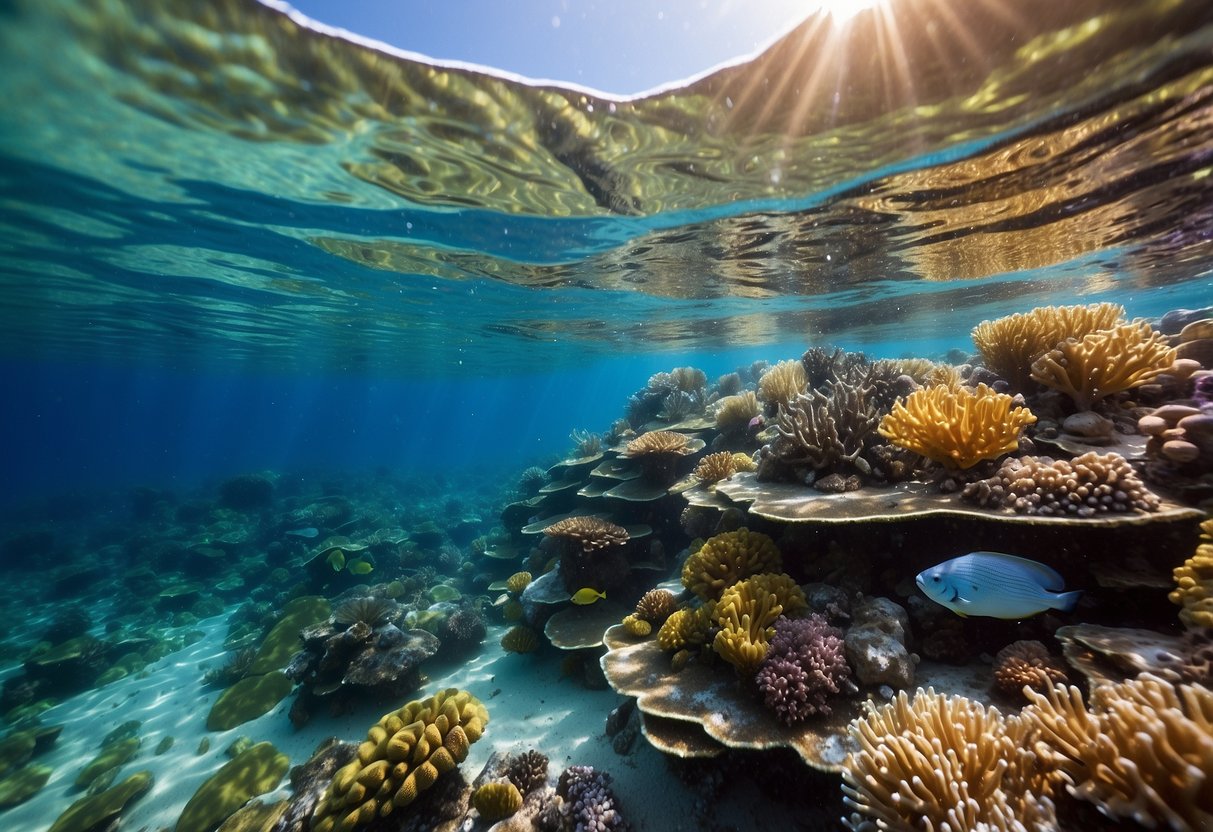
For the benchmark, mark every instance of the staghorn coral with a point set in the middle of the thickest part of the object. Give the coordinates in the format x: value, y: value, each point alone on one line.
x: 956, y: 427
x: 1010, y: 345
x: 715, y: 467
x: 746, y: 615
x: 734, y: 413
x: 637, y: 626
x: 1143, y: 752
x: 820, y: 432
x: 781, y: 384
x: 805, y: 665
x: 687, y: 628
x: 1027, y: 663
x: 943, y: 763
x: 369, y: 611
x: 656, y: 605
x: 497, y: 800
x: 727, y: 558
x: 405, y: 753
x: 1194, y: 583
x: 518, y: 582
x: 589, y: 804
x: 520, y: 639
x: 587, y: 533
x: 1104, y: 362
x: 1082, y: 487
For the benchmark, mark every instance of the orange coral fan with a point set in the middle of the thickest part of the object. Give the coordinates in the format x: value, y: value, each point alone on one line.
x: 518, y: 582
x: 656, y: 605
x: 957, y: 427
x: 520, y: 639
x: 1027, y: 663
x: 1009, y: 345
x: 727, y: 558
x: 733, y: 413
x: 1104, y: 362
x: 1194, y: 583
x: 715, y: 467
x: 588, y: 532
x: 782, y: 382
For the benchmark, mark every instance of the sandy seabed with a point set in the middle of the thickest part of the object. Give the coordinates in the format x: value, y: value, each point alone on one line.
x: 530, y: 706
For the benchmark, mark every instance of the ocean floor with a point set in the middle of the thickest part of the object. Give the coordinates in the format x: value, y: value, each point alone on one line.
x: 530, y: 706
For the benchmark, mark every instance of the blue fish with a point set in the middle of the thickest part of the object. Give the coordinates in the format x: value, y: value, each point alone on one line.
x: 995, y: 585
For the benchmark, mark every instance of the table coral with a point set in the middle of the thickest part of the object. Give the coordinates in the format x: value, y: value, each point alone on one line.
x: 1104, y: 362
x: 1009, y: 345
x: 805, y: 665
x: 957, y: 427
x: 1194, y: 583
x: 405, y: 753
x: 1085, y: 486
x: 727, y: 558
x: 588, y: 533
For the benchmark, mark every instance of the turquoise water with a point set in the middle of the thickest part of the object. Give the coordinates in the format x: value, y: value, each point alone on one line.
x: 232, y: 243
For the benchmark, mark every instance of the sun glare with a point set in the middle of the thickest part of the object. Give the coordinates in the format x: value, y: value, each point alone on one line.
x: 841, y: 10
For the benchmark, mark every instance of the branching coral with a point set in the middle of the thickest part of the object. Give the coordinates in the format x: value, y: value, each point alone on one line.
x: 727, y: 558
x: 746, y: 616
x: 957, y: 427
x: 1104, y: 362
x: 781, y: 384
x: 1144, y: 750
x: 943, y: 763
x: 1027, y: 663
x: 588, y: 533
x: 1010, y: 345
x: 1194, y: 583
x: 589, y: 803
x: 405, y: 753
x: 734, y: 413
x: 715, y: 467
x: 1082, y: 487
x: 821, y: 432
x: 528, y: 770
x: 804, y: 666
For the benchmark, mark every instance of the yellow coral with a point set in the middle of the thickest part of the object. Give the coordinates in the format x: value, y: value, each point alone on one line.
x: 637, y: 626
x: 687, y: 627
x: 405, y: 752
x: 782, y: 383
x: 727, y: 558
x: 520, y: 639
x: 943, y: 762
x: 958, y: 427
x: 1143, y: 752
x: 518, y: 582
x: 1009, y: 345
x: 1104, y: 362
x: 787, y: 592
x: 1194, y: 583
x: 746, y: 615
x: 659, y: 443
x: 744, y: 462
x: 497, y: 800
x: 733, y: 413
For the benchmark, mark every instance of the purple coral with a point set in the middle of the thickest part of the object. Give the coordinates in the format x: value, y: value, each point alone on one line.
x: 805, y: 665
x: 1202, y: 392
x: 589, y: 803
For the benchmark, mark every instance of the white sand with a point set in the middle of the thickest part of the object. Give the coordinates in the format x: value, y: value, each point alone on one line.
x: 534, y: 708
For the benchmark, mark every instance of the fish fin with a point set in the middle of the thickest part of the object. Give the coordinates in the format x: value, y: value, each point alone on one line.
x: 1066, y: 600
x: 961, y: 614
x: 1048, y: 577
x: 602, y: 594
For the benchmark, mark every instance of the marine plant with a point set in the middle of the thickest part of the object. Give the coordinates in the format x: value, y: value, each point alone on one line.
x: 1104, y: 362
x: 804, y: 667
x: 405, y: 753
x: 727, y: 558
x: 1010, y: 345
x: 1194, y: 583
x: 956, y: 427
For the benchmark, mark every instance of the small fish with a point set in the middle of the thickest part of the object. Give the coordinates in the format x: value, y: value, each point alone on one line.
x: 309, y: 532
x: 336, y: 559
x: 360, y: 566
x: 995, y: 585
x: 588, y: 595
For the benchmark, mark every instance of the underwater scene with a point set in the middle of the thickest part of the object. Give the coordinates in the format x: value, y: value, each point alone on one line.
x: 823, y: 440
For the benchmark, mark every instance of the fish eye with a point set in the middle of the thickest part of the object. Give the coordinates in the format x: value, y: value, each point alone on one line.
x: 935, y: 578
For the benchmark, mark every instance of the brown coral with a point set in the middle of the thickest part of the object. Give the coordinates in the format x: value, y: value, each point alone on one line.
x: 1082, y: 487
x: 734, y: 413
x: 405, y: 753
x: 520, y: 639
x: 715, y: 467
x: 1027, y: 663
x: 782, y: 383
x: 821, y: 432
x: 1143, y: 752
x: 957, y: 427
x: 1104, y: 362
x: 1010, y: 345
x: 727, y: 558
x: 590, y: 534
x: 656, y: 605
x: 1194, y: 583
x: 943, y: 762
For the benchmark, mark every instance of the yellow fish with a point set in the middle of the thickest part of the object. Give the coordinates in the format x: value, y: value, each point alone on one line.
x: 336, y: 560
x: 588, y: 595
x: 360, y: 566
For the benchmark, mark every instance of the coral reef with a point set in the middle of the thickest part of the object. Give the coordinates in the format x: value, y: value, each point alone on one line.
x: 1194, y: 583
x: 589, y: 803
x: 716, y: 467
x: 587, y: 533
x: 805, y: 665
x: 463, y: 630
x: 746, y: 615
x: 405, y: 753
x: 727, y: 558
x: 687, y: 627
x: 1010, y: 345
x: 781, y: 384
x: 1027, y: 663
x: 1085, y: 486
x: 368, y: 611
x: 658, y: 453
x: 497, y: 800
x: 956, y: 427
x: 591, y: 552
x: 637, y: 626
x: 820, y: 433
x: 518, y: 582
x: 734, y: 413
x: 256, y: 770
x: 527, y: 771
x: 1104, y: 362
x: 656, y: 605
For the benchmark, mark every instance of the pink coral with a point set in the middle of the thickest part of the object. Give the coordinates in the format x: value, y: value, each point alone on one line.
x: 805, y: 665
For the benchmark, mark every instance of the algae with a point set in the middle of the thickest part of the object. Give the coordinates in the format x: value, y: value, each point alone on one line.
x: 248, y: 699
x: 112, y: 756
x: 254, y: 772
x: 282, y: 642
x: 90, y: 812
x: 23, y: 784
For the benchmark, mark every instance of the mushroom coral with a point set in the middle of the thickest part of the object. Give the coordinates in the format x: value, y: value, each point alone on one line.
x: 1010, y: 345
x: 1104, y: 362
x: 943, y: 763
x: 1144, y: 750
x: 1194, y: 583
x: 405, y: 752
x: 957, y: 427
x: 727, y: 558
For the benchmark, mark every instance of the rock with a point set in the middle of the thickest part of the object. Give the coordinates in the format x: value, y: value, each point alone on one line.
x: 878, y: 658
x: 1087, y: 424
x: 1200, y: 350
x: 23, y: 784
x: 309, y: 781
x: 254, y: 772
x: 1174, y: 321
x: 1196, y: 330
x: 1181, y: 451
x: 95, y: 811
x: 112, y: 756
x: 883, y: 615
x: 248, y: 699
